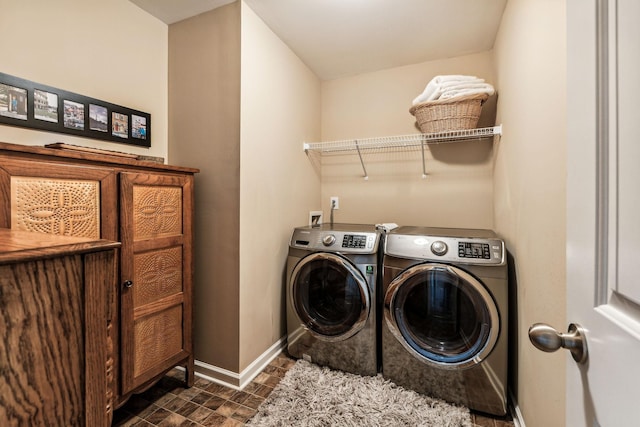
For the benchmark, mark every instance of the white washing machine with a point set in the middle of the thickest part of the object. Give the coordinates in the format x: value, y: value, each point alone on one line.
x: 445, y: 308
x: 331, y: 296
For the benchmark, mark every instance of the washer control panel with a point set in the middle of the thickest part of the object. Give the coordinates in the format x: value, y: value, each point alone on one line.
x: 362, y: 242
x: 358, y: 241
x: 470, y: 250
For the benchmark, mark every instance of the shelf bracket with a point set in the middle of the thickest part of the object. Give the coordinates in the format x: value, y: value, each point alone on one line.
x: 424, y: 167
x: 364, y: 169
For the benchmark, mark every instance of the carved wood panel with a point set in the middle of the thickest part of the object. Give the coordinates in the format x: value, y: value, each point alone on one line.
x: 55, y: 206
x: 157, y: 211
x: 157, y: 337
x: 158, y: 274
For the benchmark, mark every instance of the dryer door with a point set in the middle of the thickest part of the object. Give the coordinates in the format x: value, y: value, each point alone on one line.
x: 442, y: 315
x: 330, y: 296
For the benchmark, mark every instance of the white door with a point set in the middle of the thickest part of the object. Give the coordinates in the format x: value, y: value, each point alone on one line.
x: 603, y: 210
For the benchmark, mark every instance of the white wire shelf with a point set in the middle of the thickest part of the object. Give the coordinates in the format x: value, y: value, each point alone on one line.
x: 401, y: 141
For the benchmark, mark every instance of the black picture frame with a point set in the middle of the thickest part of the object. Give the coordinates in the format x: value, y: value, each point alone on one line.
x: 28, y: 104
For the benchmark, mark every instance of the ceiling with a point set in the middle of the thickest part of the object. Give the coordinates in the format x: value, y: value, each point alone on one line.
x: 339, y: 38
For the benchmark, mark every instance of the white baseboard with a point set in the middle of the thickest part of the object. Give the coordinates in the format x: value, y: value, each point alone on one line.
x: 233, y: 379
x: 516, y: 414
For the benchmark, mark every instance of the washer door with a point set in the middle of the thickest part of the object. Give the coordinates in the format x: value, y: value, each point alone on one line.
x: 442, y: 315
x: 330, y: 296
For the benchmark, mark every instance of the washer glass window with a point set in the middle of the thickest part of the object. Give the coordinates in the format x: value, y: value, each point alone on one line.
x: 442, y: 315
x: 329, y: 296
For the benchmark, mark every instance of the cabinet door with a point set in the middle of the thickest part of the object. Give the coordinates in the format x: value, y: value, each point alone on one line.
x: 54, y: 198
x: 55, y: 354
x: 156, y: 306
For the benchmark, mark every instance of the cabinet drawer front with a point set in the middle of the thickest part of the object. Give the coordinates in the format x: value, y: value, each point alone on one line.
x: 55, y: 206
x: 157, y: 274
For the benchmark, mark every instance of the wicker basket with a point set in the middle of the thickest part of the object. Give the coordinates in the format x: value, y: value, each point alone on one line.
x: 448, y: 114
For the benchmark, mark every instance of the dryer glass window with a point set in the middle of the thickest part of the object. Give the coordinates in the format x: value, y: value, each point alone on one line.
x: 441, y: 316
x: 328, y: 298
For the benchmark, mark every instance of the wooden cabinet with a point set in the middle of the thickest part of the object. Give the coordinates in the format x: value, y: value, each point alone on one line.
x: 148, y: 208
x: 56, y: 349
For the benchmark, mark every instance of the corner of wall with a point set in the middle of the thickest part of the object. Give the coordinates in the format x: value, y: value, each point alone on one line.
x: 204, y: 122
x: 530, y: 197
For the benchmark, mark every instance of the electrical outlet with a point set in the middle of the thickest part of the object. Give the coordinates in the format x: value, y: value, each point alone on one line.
x: 335, y: 202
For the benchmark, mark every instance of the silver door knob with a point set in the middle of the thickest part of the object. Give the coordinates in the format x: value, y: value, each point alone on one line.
x: 546, y: 338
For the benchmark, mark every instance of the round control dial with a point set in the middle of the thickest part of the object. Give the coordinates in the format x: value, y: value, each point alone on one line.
x: 328, y: 240
x: 439, y: 248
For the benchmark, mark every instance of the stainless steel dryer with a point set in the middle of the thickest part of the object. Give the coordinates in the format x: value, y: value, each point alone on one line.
x: 331, y: 296
x: 445, y: 315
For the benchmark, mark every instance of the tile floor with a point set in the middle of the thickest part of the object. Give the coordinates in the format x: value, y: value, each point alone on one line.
x: 169, y: 403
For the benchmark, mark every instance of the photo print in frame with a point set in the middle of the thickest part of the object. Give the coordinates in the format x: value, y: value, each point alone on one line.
x: 45, y: 106
x: 13, y: 102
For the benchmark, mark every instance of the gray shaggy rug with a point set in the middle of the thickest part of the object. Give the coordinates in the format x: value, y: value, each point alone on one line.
x: 312, y: 396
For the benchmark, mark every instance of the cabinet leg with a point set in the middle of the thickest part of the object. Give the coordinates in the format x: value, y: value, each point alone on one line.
x: 189, y: 372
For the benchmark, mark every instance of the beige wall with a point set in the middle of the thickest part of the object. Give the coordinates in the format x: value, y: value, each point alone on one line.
x: 280, y: 108
x: 204, y: 122
x: 530, y: 169
x: 255, y: 183
x: 458, y: 191
x: 112, y: 51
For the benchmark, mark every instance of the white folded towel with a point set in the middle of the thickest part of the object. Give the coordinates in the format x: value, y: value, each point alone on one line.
x: 452, y: 93
x: 441, y: 84
x: 454, y: 78
x: 462, y: 85
x: 433, y: 90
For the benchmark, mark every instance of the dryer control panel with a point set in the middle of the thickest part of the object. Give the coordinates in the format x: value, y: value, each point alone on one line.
x: 474, y: 250
x: 469, y: 250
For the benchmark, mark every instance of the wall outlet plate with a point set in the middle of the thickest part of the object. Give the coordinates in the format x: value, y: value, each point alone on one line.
x: 335, y: 199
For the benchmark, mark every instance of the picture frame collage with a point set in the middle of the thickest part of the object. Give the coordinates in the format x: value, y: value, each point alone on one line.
x: 33, y: 105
